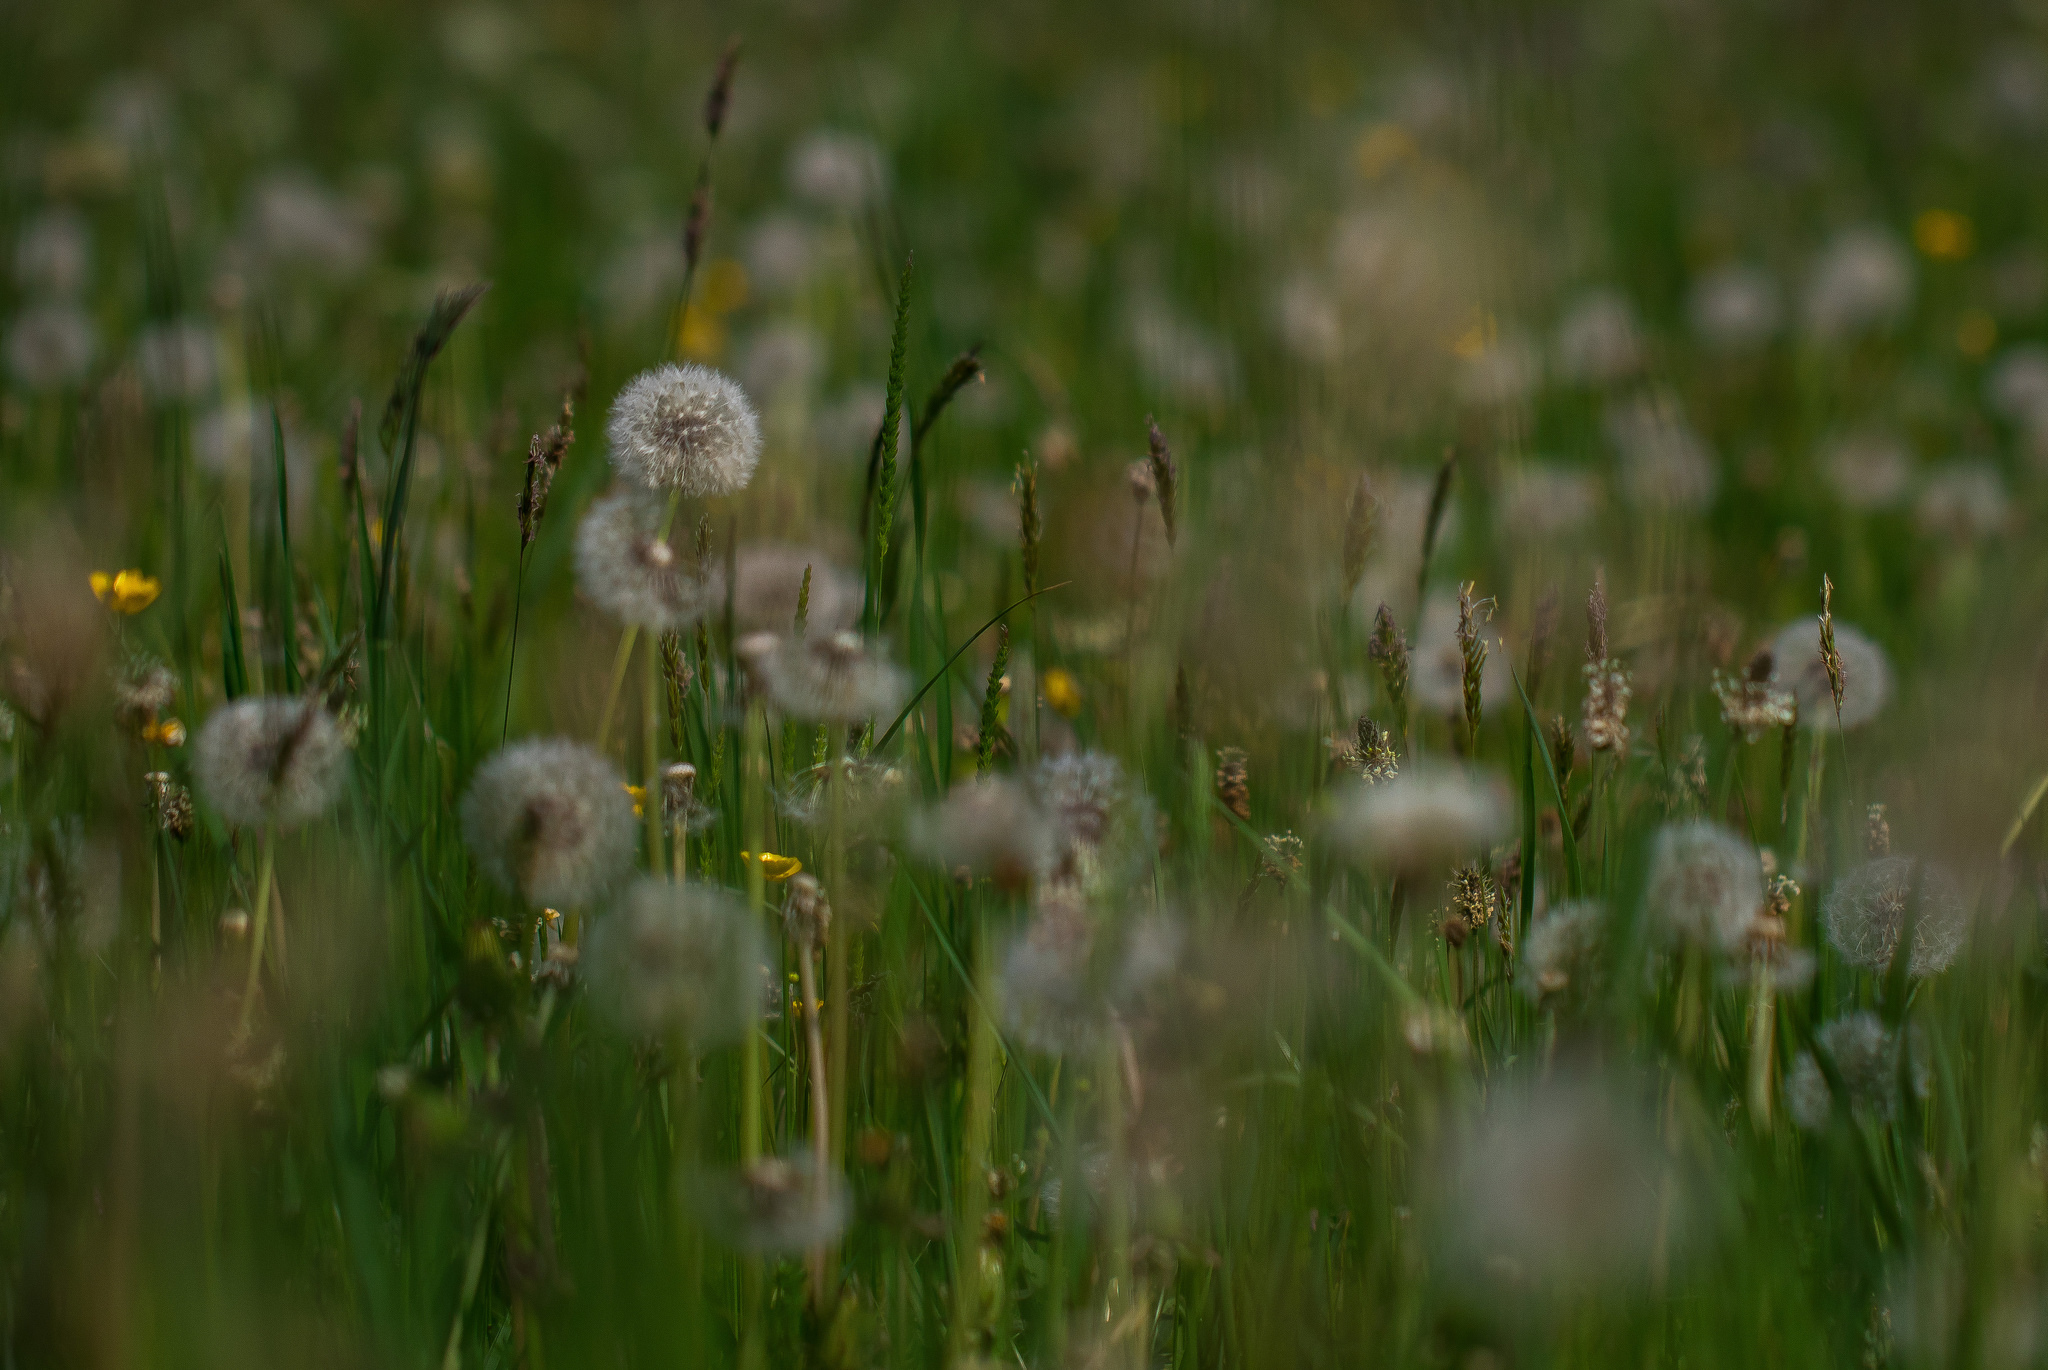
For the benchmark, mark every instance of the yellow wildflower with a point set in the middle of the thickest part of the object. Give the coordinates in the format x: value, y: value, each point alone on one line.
x: 1944, y: 234
x: 125, y: 592
x: 169, y: 733
x: 775, y: 867
x: 1062, y: 691
x: 639, y: 793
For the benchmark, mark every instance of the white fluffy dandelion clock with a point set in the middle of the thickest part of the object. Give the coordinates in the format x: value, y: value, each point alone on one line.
x: 686, y: 428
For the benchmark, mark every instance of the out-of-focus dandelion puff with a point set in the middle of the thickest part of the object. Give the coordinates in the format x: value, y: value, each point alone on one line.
x: 294, y: 221
x: 1561, y: 1183
x: 1504, y: 371
x: 1544, y: 500
x: 1865, y: 914
x: 626, y: 567
x: 176, y: 360
x: 1867, y: 471
x: 683, y: 959
x: 990, y: 826
x: 769, y: 580
x: 685, y: 427
x: 1862, y: 282
x: 837, y: 170
x: 1098, y: 812
x: 53, y: 254
x: 2016, y: 387
x: 51, y: 346
x: 1423, y: 821
x: 1736, y: 307
x: 1599, y: 340
x: 1665, y: 463
x: 1706, y: 884
x: 1562, y: 950
x: 824, y: 677
x: 774, y: 1207
x: 1963, y: 501
x: 550, y: 821
x: 1865, y: 1056
x: 276, y: 759
x: 1797, y: 666
x: 125, y: 592
x: 1065, y: 975
x: 1307, y: 319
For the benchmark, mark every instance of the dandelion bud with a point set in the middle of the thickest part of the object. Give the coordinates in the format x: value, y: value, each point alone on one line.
x: 678, y: 791
x: 550, y: 821
x: 234, y: 923
x: 685, y: 428
x: 276, y: 759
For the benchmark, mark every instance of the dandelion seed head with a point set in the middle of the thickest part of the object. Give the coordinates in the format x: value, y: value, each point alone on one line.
x: 53, y: 254
x: 1102, y: 819
x: 1561, y: 1181
x: 51, y: 346
x: 270, y: 759
x: 1599, y: 340
x: 628, y: 569
x: 1543, y: 500
x: 768, y: 577
x: 1424, y: 820
x: 1865, y: 1055
x: 1735, y: 308
x: 1797, y: 666
x: 1561, y: 951
x: 2016, y: 387
x: 827, y: 677
x: 1865, y: 914
x: 1665, y: 463
x: 774, y: 1207
x: 550, y: 821
x: 1706, y: 884
x: 670, y: 958
x: 1867, y: 471
x: 685, y: 427
x: 177, y: 360
x: 991, y: 826
x: 1963, y: 501
x: 1862, y: 282
x: 837, y: 170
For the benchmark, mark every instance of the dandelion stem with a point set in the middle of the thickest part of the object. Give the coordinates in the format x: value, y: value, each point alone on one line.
x: 650, y: 727
x: 815, y: 1260
x: 265, y: 864
x: 611, y: 694
x: 971, y: 1179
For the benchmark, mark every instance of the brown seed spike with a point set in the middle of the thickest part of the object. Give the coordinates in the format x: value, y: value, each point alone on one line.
x: 719, y: 100
x: 1165, y: 475
x: 1830, y: 657
x: 1233, y: 783
x: 1596, y: 620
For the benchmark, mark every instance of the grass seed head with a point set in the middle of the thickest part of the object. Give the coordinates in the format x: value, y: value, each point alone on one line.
x: 1861, y: 669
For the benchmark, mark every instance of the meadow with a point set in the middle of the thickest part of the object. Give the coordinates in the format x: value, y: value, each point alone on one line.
x: 1204, y: 684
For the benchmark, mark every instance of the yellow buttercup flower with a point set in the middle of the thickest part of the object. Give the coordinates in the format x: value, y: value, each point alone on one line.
x: 639, y: 793
x: 1944, y: 234
x: 1062, y: 692
x: 125, y: 592
x: 169, y: 733
x: 775, y: 867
